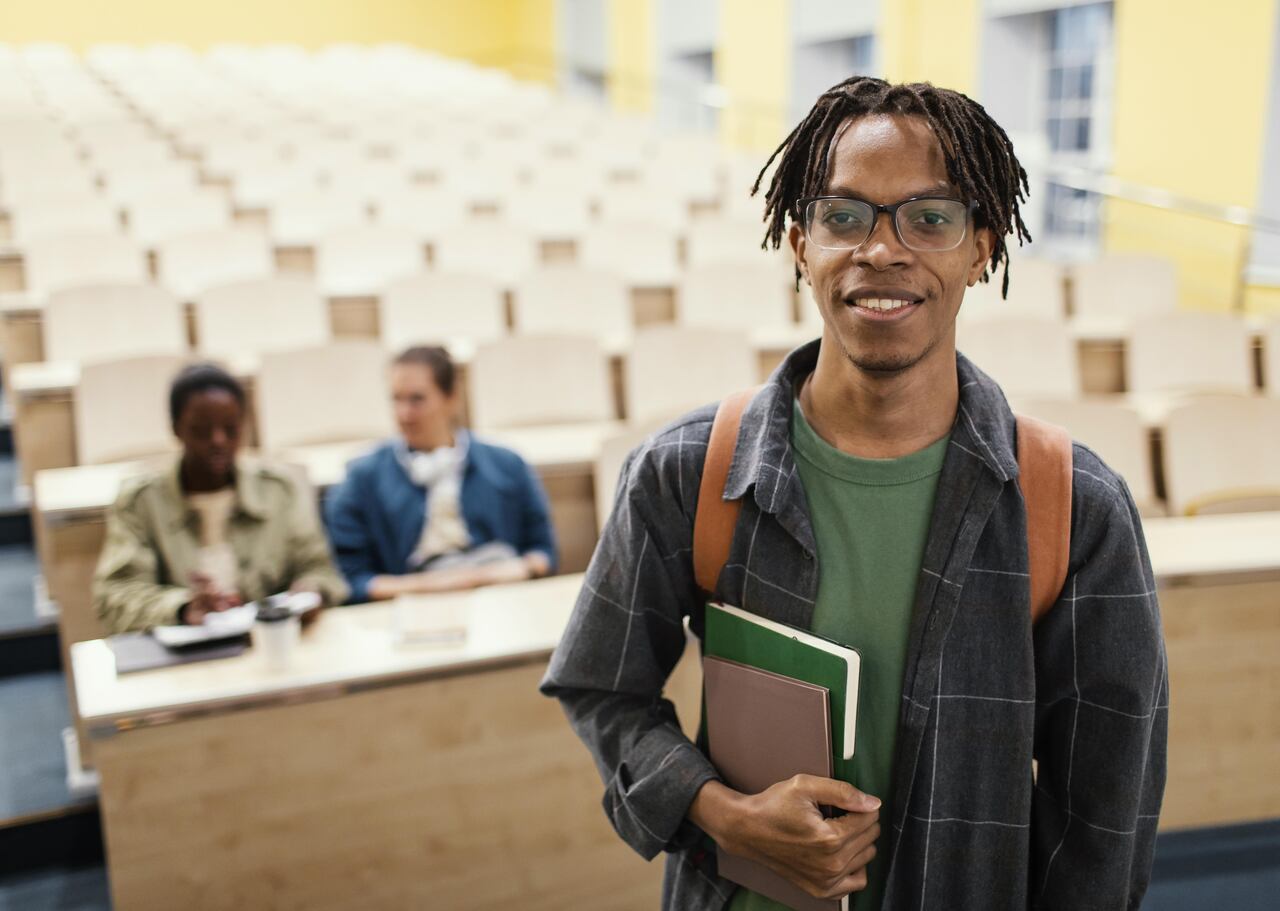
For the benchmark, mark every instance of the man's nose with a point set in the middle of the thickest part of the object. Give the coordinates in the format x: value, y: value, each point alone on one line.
x: 882, y: 249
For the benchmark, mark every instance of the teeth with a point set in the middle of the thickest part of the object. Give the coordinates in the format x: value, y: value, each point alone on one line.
x: 881, y: 303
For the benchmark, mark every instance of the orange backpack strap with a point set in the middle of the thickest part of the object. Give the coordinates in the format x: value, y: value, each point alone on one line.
x: 1044, y: 468
x: 716, y: 517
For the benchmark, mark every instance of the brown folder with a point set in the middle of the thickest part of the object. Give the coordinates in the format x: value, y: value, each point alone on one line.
x: 763, y: 728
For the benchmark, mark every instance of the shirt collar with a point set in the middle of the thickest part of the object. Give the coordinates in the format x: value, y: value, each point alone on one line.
x: 250, y: 500
x: 763, y: 460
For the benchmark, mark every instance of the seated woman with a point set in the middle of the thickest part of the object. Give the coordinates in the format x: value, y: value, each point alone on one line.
x: 211, y: 531
x: 436, y: 509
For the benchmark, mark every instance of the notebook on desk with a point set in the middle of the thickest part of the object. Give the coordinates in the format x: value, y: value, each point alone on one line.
x: 143, y: 652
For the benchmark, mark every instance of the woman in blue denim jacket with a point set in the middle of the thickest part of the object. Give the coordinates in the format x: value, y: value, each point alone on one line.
x: 436, y: 509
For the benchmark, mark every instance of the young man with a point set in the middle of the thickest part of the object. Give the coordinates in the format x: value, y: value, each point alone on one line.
x: 877, y: 471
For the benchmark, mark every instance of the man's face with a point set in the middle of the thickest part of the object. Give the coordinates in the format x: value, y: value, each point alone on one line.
x: 209, y: 430
x: 884, y: 159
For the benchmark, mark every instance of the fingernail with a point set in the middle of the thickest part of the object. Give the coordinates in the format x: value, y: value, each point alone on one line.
x: 873, y: 803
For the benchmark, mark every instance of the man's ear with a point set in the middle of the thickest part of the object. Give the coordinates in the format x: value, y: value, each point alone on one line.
x: 796, y: 238
x: 984, y: 241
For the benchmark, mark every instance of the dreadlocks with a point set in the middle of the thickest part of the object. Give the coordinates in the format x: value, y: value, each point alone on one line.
x: 978, y: 154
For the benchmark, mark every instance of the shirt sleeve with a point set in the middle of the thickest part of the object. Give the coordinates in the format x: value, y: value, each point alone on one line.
x: 127, y: 592
x: 353, y: 544
x: 624, y: 638
x: 311, y: 563
x: 1102, y: 712
x: 537, y: 535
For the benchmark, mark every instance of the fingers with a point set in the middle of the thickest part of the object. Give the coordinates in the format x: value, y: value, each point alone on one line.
x: 851, y: 878
x: 832, y: 793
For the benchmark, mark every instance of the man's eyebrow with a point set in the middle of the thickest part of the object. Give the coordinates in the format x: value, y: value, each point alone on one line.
x: 941, y: 188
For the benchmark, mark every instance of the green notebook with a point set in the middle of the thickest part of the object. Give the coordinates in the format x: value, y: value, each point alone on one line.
x: 748, y: 638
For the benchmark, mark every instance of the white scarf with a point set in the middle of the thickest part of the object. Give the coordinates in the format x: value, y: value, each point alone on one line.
x: 444, y: 531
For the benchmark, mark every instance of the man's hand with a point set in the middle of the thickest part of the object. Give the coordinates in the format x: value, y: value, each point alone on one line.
x: 784, y: 829
x: 207, y: 599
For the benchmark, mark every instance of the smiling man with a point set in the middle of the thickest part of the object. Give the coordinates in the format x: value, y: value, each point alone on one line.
x: 878, y: 475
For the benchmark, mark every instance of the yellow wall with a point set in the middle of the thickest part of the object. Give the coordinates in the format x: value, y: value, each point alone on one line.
x: 631, y: 55
x: 931, y: 41
x: 1190, y: 111
x: 487, y: 31
x: 753, y: 64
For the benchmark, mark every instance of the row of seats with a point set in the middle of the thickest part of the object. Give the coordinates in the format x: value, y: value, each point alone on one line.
x: 362, y: 259
x: 246, y: 318
x: 1217, y: 451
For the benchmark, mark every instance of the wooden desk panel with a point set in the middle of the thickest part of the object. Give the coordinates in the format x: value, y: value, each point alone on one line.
x: 21, y: 335
x: 467, y: 792
x: 44, y: 432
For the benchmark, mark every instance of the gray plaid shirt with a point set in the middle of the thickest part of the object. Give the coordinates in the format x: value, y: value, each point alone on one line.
x: 1085, y: 693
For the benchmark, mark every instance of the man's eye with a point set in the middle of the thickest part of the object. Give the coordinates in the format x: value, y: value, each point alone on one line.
x: 932, y: 217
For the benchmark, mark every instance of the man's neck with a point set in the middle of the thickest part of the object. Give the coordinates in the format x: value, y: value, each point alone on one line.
x: 881, y: 416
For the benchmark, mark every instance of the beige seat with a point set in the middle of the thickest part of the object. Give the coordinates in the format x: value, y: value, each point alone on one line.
x: 545, y: 379
x: 1026, y: 356
x: 300, y: 218
x: 260, y: 315
x: 56, y: 261
x: 329, y: 394
x: 1189, y: 352
x: 674, y: 369
x: 643, y: 204
x: 571, y: 299
x: 429, y: 212
x: 156, y: 217
x: 122, y: 409
x: 108, y: 321
x: 644, y: 253
x: 1220, y: 455
x: 364, y: 259
x: 191, y: 264
x: 1037, y: 288
x: 59, y: 213
x: 549, y: 213
x: 1271, y: 358
x: 490, y: 247
x: 132, y: 179
x: 442, y: 308
x: 1114, y: 431
x: 736, y: 296
x: 725, y: 239
x: 1120, y: 287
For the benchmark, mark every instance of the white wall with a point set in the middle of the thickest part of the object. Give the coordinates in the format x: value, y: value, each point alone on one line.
x: 827, y: 47
x: 584, y: 44
x: 823, y: 20
x: 685, y: 33
x: 1265, y: 256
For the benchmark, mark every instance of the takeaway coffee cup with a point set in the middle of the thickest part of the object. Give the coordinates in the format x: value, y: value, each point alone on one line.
x: 276, y: 632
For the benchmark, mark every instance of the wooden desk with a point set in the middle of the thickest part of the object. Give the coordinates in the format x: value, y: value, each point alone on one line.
x: 42, y: 397
x: 21, y: 329
x: 1219, y: 581
x: 369, y: 775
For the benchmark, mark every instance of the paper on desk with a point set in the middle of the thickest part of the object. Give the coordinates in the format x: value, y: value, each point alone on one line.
x: 232, y: 622
x: 429, y: 620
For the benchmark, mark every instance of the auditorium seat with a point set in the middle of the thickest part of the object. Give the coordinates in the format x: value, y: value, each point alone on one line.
x: 723, y: 239
x: 107, y: 321
x: 1037, y: 288
x: 1184, y: 351
x: 1116, y: 288
x: 674, y: 369
x: 1114, y: 431
x: 429, y: 212
x: 361, y: 260
x: 55, y: 261
x: 489, y: 247
x: 1025, y: 355
x: 246, y: 319
x: 755, y: 296
x: 644, y: 253
x: 532, y: 380
x: 572, y: 299
x: 327, y: 394
x: 62, y: 212
x: 156, y: 217
x: 455, y: 309
x: 300, y: 218
x: 122, y: 409
x: 1220, y: 455
x: 613, y: 454
x: 640, y: 203
x: 190, y: 264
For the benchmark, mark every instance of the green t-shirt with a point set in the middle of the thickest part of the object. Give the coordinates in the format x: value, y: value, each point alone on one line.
x: 870, y: 519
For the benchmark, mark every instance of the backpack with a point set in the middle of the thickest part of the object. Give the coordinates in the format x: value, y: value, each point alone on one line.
x: 1044, y: 467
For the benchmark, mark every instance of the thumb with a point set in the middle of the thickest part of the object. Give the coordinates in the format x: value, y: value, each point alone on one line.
x: 833, y: 793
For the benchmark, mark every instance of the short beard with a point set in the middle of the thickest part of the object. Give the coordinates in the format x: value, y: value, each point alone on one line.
x: 885, y: 366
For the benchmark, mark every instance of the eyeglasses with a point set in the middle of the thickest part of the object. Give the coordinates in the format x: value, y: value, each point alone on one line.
x: 923, y: 223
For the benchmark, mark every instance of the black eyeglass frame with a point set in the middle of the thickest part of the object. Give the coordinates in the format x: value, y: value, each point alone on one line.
x: 802, y: 208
